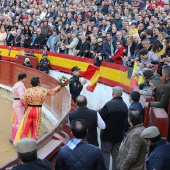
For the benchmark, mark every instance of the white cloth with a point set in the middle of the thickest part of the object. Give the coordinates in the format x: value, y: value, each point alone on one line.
x: 100, y: 123
x: 72, y: 46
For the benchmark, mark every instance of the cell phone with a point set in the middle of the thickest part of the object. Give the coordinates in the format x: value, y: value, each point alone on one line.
x: 147, y: 83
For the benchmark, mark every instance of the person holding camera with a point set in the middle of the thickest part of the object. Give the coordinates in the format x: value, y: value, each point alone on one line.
x: 99, y: 52
x: 151, y: 78
x: 27, y: 63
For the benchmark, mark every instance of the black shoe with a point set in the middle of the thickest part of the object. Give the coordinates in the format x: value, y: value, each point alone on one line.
x: 11, y: 141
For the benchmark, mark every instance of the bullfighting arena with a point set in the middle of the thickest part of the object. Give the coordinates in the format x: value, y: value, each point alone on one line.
x: 7, y: 151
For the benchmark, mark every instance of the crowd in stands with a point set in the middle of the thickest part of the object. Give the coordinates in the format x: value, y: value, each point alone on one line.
x: 113, y: 31
x: 120, y: 32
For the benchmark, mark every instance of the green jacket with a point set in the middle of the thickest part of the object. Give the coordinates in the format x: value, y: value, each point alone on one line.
x: 159, y: 85
x: 164, y: 101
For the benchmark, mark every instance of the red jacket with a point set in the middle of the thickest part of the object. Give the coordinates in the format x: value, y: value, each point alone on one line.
x: 118, y: 55
x: 161, y: 3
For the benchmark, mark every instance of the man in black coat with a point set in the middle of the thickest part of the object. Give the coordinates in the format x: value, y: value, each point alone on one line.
x: 91, y: 117
x: 114, y: 114
x: 27, y: 153
x: 75, y: 85
x: 78, y: 154
x: 17, y: 38
x: 84, y: 49
x: 40, y: 41
x: 9, y: 38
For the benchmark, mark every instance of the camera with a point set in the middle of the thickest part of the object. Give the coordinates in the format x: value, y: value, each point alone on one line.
x: 163, y: 56
x: 155, y: 62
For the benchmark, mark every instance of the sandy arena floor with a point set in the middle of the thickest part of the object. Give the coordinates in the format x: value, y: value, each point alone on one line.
x: 7, y: 151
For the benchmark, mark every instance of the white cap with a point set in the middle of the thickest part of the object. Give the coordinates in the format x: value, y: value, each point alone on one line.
x: 150, y: 132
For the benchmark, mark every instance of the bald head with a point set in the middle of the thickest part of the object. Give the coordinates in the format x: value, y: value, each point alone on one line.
x: 81, y: 101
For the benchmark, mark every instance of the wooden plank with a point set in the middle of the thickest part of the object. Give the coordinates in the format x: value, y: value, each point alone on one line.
x: 49, y: 149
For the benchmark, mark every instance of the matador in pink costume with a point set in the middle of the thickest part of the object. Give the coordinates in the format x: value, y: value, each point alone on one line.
x: 18, y: 92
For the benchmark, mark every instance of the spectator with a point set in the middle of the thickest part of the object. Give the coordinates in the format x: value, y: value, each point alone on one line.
x: 78, y: 154
x: 161, y: 37
x: 45, y: 29
x: 159, y: 3
x: 39, y: 41
x: 150, y: 77
x: 108, y: 48
x: 27, y: 153
x: 60, y: 44
x: 147, y: 44
x: 91, y: 117
x: 44, y: 64
x: 158, y: 48
x: 149, y: 35
x: 159, y: 149
x: 147, y: 57
x: 118, y: 55
x: 134, y: 104
x: 114, y: 114
x: 128, y: 58
x: 164, y: 101
x: 76, y: 85
x: 117, y: 21
x: 17, y: 38
x: 52, y: 41
x: 92, y: 47
x: 99, y: 52
x: 72, y: 45
x: 27, y: 63
x: 27, y: 41
x: 133, y: 148
x: 133, y: 30
x: 3, y: 36
x: 108, y: 27
x: 9, y: 38
x: 84, y: 48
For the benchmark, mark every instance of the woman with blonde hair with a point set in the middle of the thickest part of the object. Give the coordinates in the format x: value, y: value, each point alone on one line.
x: 3, y: 36
x: 161, y: 37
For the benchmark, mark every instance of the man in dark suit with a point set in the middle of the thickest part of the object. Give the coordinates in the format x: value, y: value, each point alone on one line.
x: 40, y: 41
x: 91, y: 117
x: 108, y: 48
x: 9, y: 38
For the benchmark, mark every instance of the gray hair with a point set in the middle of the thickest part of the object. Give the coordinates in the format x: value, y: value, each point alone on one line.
x: 117, y: 90
x: 166, y: 70
x: 146, y: 41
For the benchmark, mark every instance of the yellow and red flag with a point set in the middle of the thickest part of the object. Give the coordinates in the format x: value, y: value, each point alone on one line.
x: 136, y: 80
x: 92, y: 73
